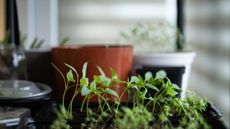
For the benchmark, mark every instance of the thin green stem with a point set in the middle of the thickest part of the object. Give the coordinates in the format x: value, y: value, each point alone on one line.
x: 72, y: 99
x: 63, y: 96
x: 134, y: 98
x: 106, y: 102
x: 65, y: 82
x: 119, y: 103
x: 147, y: 104
x: 99, y: 102
x: 87, y: 104
x: 82, y: 105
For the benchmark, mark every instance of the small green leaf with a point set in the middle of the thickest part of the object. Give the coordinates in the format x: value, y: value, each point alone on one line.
x: 69, y: 76
x: 98, y: 91
x: 113, y: 74
x: 170, y: 90
x: 112, y: 92
x: 148, y: 76
x: 39, y: 44
x: 84, y: 68
x: 64, y: 41
x: 175, y: 86
x: 140, y: 82
x: 144, y: 92
x: 85, y: 90
x: 124, y: 35
x: 104, y: 114
x: 160, y: 74
x: 101, y: 71
x: 134, y: 79
x: 135, y: 87
x: 169, y: 84
x: 151, y: 86
x: 84, y: 81
x: 93, y: 86
x: 151, y: 98
x: 34, y: 42
x: 96, y: 78
x: 105, y: 81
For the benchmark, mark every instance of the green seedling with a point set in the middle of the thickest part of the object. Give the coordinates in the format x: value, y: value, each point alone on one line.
x: 155, y: 102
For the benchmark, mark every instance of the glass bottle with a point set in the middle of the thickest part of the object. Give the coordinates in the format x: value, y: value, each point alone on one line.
x: 12, y: 62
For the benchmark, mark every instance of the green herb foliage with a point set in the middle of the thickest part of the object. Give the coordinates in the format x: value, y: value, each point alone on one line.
x: 99, y: 87
x: 154, y: 102
x: 154, y: 37
x: 137, y: 117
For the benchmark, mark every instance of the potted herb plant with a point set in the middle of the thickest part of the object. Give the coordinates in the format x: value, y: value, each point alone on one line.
x: 155, y: 48
x: 162, y: 110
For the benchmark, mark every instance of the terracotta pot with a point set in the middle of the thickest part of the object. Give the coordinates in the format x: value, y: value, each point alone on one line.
x: 118, y: 57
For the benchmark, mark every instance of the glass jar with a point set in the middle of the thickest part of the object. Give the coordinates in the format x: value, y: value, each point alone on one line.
x: 12, y: 62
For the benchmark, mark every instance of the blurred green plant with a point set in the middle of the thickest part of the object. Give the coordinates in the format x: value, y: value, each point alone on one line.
x: 35, y: 44
x: 154, y: 37
x: 64, y: 41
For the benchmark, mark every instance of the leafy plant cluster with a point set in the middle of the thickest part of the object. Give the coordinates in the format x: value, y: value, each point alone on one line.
x: 154, y: 37
x: 99, y: 87
x: 35, y: 44
x: 154, y: 102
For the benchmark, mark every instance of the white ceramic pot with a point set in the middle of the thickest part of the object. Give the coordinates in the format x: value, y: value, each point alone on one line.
x: 179, y: 59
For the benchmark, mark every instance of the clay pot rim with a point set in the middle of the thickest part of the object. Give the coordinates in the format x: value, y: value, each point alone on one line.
x: 77, y: 46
